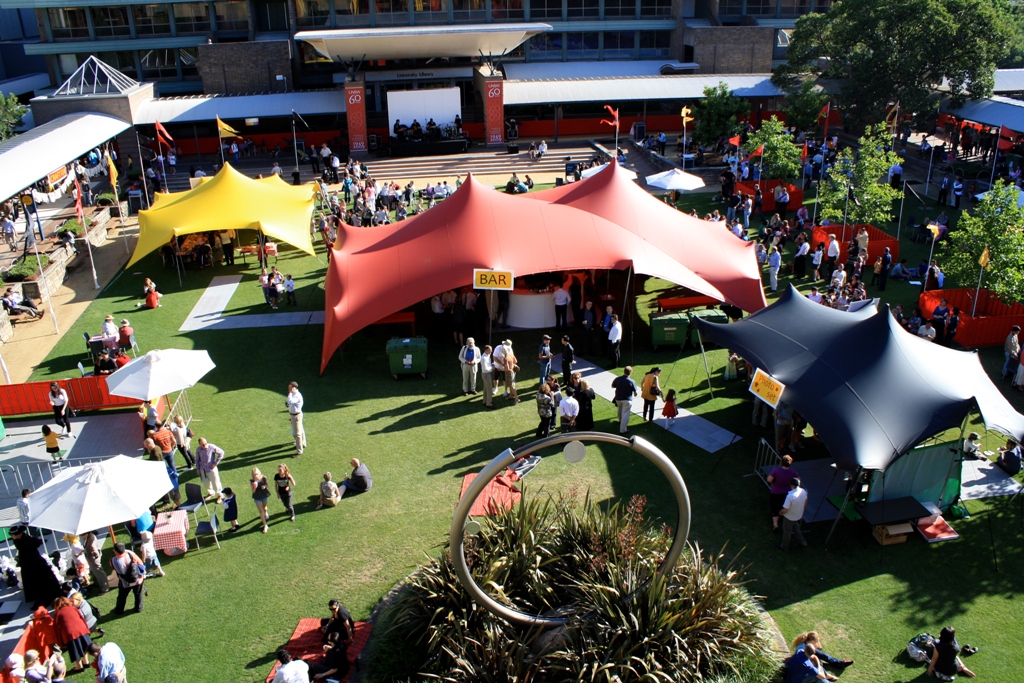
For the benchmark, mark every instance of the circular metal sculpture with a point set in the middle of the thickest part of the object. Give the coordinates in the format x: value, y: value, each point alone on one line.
x: 461, y: 525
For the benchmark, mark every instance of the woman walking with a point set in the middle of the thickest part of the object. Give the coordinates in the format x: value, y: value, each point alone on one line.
x: 72, y: 633
x: 585, y: 397
x: 283, y: 482
x: 650, y: 391
x: 59, y: 401
x: 260, y: 495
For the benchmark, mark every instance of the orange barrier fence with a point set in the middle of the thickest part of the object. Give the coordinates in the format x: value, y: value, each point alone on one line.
x: 796, y: 195
x: 992, y: 319
x: 84, y: 393
x: 878, y: 240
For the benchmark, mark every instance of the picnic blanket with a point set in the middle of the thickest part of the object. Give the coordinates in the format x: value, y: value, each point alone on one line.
x: 307, y: 642
x: 500, y: 494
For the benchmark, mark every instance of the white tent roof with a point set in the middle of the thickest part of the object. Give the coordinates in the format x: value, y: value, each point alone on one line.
x: 563, y: 90
x: 1009, y: 80
x: 33, y: 155
x: 411, y: 42
x: 208, y: 107
x: 992, y: 111
x: 532, y: 71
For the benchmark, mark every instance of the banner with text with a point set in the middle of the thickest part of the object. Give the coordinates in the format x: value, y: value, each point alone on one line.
x: 355, y: 110
x: 494, y: 112
x: 766, y: 388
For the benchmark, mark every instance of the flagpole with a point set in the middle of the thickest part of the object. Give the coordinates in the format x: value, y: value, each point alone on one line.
x: 928, y: 179
x: 160, y: 150
x: 142, y: 167
x: 995, y: 155
x: 903, y: 200
x: 977, y: 290
x: 46, y: 287
x: 85, y: 231
x: 295, y: 142
x: 220, y: 143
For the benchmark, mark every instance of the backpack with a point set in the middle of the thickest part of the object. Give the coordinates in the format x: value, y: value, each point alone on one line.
x: 921, y: 647
x: 132, y: 573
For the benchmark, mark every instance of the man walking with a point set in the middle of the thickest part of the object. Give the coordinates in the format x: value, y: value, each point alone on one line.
x: 208, y: 457
x: 615, y: 340
x: 774, y: 263
x: 1011, y: 350
x: 164, y: 439
x: 469, y: 358
x: 568, y: 359
x: 544, y: 357
x: 792, y: 512
x: 883, y: 275
x: 833, y: 253
x: 562, y: 298
x: 294, y: 404
x: 625, y: 390
x: 943, y: 197
x: 131, y: 576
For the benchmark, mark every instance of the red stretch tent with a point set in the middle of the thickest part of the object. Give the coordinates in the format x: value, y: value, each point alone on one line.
x: 377, y: 271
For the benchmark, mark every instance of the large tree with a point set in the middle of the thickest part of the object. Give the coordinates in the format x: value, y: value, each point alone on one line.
x: 804, y: 102
x: 886, y: 51
x: 11, y: 112
x: 856, y: 186
x: 780, y: 157
x: 996, y: 222
x: 718, y: 114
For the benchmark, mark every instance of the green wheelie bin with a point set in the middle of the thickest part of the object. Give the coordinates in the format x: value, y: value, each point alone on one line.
x: 408, y: 356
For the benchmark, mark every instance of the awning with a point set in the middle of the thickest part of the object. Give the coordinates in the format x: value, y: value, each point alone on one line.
x: 208, y: 107
x: 32, y: 155
x: 22, y: 85
x: 413, y: 42
x: 1009, y: 80
x: 536, y: 71
x: 991, y: 111
x: 563, y: 90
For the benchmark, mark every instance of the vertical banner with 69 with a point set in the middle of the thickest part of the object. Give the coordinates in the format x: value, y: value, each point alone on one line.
x: 355, y: 111
x: 494, y: 112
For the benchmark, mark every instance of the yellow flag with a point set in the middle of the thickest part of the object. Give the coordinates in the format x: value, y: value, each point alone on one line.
x: 226, y: 131
x: 685, y: 113
x: 113, y: 172
x: 985, y: 258
x: 934, y: 227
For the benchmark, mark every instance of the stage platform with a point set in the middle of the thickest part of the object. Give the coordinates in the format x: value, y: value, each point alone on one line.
x: 427, y: 149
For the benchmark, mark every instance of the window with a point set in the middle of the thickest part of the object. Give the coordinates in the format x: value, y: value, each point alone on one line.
x: 312, y: 13
x: 761, y: 7
x: 545, y: 9
x: 655, y: 44
x: 620, y: 8
x: 122, y: 61
x: 68, y: 23
x: 191, y: 17
x: 151, y: 20
x: 656, y: 8
x: 188, y: 57
x: 795, y: 8
x: 271, y: 15
x: 546, y: 47
x: 581, y: 46
x: 730, y: 8
x: 231, y: 15
x: 109, y: 22
x: 352, y: 12
x: 507, y: 10
x: 431, y: 11
x: 471, y: 11
x: 619, y: 44
x: 159, y: 64
x: 392, y: 11
x: 583, y: 9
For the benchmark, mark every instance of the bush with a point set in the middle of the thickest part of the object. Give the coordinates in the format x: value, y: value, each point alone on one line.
x: 106, y: 199
x: 75, y: 227
x: 598, y: 568
x: 26, y: 269
x: 134, y: 174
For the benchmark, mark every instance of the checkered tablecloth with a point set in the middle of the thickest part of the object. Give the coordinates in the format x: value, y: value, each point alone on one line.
x: 171, y: 531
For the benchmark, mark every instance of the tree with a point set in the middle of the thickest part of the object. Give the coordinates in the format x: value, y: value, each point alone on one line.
x: 780, y: 158
x: 863, y: 172
x: 804, y: 102
x: 995, y: 223
x: 887, y: 51
x: 11, y: 112
x: 718, y: 114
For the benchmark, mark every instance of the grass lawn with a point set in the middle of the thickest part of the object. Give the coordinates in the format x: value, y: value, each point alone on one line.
x: 220, y: 614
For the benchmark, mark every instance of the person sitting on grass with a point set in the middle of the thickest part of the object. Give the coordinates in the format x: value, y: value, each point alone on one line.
x: 290, y: 670
x: 812, y: 638
x: 339, y: 622
x: 329, y: 494
x: 334, y: 664
x: 1009, y: 459
x: 359, y: 481
x: 946, y: 663
x: 805, y: 667
x: 900, y: 271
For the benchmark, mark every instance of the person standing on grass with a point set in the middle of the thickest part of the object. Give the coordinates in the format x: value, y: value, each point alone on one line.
x: 614, y: 340
x: 544, y: 357
x: 93, y: 555
x: 568, y: 359
x: 487, y: 373
x: 625, y: 390
x: 792, y: 513
x: 130, y: 577
x: 569, y: 410
x: 779, y: 479
x: 283, y: 483
x: 469, y: 361
x: 260, y: 495
x: 511, y: 367
x: 208, y: 457
x: 545, y: 410
x: 164, y: 439
x: 183, y: 440
x: 293, y: 401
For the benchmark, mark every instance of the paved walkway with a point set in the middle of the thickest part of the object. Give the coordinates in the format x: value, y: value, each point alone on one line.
x: 208, y: 313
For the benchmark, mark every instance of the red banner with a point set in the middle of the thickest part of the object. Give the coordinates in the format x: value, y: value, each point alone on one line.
x: 355, y: 110
x: 494, y: 112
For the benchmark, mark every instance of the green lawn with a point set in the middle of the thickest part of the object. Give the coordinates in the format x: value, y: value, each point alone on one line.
x: 219, y: 615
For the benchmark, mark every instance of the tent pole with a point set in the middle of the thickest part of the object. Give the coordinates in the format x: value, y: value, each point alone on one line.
x: 931, y: 252
x: 842, y: 507
x: 490, y: 318
x: 903, y: 200
x: 977, y: 293
x: 707, y: 371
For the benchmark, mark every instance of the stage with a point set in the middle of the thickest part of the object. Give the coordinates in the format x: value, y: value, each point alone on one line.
x: 426, y: 149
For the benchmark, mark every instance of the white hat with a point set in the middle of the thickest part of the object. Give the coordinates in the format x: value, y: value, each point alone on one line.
x: 507, y: 342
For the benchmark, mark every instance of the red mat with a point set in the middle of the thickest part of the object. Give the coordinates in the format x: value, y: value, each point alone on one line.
x: 500, y: 494
x: 307, y: 642
x: 939, y: 530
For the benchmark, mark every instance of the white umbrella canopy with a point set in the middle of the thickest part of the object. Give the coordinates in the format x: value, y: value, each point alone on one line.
x: 159, y: 373
x: 594, y: 170
x: 675, y: 179
x: 93, y: 496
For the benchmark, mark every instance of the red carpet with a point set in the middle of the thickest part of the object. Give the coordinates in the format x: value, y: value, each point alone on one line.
x: 307, y: 643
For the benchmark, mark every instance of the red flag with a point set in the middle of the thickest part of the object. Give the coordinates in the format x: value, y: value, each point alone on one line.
x: 803, y: 154
x: 615, y: 117
x: 825, y: 111
x: 735, y: 141
x: 1006, y: 138
x: 78, y: 204
x: 160, y: 130
x: 757, y: 152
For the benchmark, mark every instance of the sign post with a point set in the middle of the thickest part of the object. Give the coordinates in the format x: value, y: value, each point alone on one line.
x: 766, y: 388
x: 492, y: 280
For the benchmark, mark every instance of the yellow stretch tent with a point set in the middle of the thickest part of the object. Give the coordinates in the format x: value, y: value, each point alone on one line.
x: 230, y: 201
x: 162, y: 199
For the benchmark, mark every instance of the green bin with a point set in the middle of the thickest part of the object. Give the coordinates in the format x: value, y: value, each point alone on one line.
x: 408, y: 356
x: 668, y: 329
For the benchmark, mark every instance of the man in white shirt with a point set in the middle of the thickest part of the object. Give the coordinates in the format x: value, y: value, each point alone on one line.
x: 792, y: 512
x: 487, y: 375
x: 832, y: 252
x: 800, y: 259
x: 294, y: 404
x: 774, y: 263
x: 291, y: 670
x: 615, y: 339
x: 569, y: 409
x: 839, y: 277
x: 814, y: 295
x: 469, y: 360
x: 498, y: 361
x: 561, y: 298
x: 927, y: 331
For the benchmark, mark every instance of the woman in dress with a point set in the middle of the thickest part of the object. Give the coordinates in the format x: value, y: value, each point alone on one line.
x: 266, y: 284
x: 260, y: 494
x: 585, y: 397
x: 650, y: 390
x: 283, y: 483
x: 946, y: 663
x: 59, y: 402
x: 72, y: 632
x: 88, y: 613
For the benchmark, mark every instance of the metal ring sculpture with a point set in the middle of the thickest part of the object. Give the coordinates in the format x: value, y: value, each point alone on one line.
x: 458, y: 530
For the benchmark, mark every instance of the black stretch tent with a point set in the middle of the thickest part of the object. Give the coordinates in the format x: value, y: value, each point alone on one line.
x: 871, y: 389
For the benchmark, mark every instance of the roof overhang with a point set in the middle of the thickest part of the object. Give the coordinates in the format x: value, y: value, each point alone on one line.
x: 634, y: 88
x: 420, y: 42
x: 208, y: 107
x: 51, y: 145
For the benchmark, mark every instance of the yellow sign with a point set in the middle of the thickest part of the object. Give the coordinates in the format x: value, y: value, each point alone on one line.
x: 58, y: 175
x: 766, y: 388
x: 492, y: 279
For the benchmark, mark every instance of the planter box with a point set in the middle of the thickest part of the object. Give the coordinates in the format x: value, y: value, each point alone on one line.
x: 98, y: 233
x: 6, y: 329
x: 100, y: 216
x: 53, y: 274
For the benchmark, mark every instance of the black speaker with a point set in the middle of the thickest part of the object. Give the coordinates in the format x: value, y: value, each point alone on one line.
x: 513, y: 149
x: 559, y: 181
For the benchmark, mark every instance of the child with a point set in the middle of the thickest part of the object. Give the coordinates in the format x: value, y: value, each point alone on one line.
x: 149, y: 554
x: 289, y: 291
x: 52, y: 447
x: 78, y: 561
x: 230, y: 508
x: 669, y: 410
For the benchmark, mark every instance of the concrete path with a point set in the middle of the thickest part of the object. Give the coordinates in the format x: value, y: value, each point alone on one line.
x: 208, y: 313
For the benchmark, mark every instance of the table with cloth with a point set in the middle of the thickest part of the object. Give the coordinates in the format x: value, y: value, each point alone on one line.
x: 170, y: 532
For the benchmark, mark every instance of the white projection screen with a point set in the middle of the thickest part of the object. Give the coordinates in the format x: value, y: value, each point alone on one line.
x: 440, y: 104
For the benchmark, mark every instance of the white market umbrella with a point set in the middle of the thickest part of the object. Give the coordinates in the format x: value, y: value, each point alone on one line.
x: 675, y: 179
x: 594, y: 170
x: 159, y: 373
x: 93, y: 496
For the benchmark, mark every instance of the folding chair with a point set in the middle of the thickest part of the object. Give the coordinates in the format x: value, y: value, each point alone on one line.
x: 88, y: 346
x: 193, y: 501
x: 130, y: 346
x: 208, y: 529
x: 81, y: 369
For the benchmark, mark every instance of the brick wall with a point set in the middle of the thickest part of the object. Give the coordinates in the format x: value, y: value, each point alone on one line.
x: 233, y: 68
x: 731, y: 49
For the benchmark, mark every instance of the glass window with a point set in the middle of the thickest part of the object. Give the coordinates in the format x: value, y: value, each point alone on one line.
x: 730, y: 8
x: 271, y: 15
x: 352, y: 12
x: 583, y: 9
x: 507, y: 10
x: 66, y: 65
x: 122, y: 61
x: 620, y: 8
x: 655, y: 44
x: 188, y: 57
x: 656, y: 8
x: 231, y: 15
x: 151, y: 20
x: 191, y: 17
x: 392, y: 11
x: 68, y: 23
x: 431, y: 11
x: 159, y: 64
x: 619, y: 44
x: 761, y: 7
x: 545, y: 9
x: 470, y: 11
x: 581, y: 46
x: 313, y: 13
x: 109, y: 22
x: 795, y: 8
x: 546, y: 47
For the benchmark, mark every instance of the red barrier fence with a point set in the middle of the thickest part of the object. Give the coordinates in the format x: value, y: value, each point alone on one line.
x: 796, y: 195
x: 992, y: 319
x: 84, y: 393
x: 878, y: 240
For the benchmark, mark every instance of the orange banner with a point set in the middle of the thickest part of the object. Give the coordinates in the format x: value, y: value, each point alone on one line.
x: 494, y: 112
x: 766, y: 388
x: 355, y: 110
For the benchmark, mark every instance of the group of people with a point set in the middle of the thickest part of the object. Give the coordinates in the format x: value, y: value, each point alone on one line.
x: 337, y: 635
x: 275, y: 285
